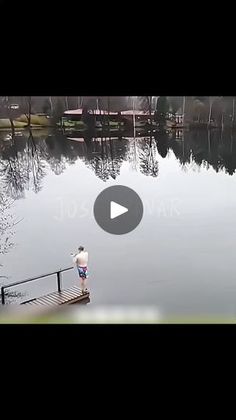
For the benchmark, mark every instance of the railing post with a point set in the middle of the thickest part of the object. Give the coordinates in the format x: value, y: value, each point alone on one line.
x: 3, y: 295
x: 59, y: 281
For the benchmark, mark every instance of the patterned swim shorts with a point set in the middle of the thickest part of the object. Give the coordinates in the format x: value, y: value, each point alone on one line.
x: 83, y: 272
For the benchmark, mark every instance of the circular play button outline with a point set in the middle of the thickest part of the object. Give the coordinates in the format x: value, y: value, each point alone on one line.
x: 118, y: 210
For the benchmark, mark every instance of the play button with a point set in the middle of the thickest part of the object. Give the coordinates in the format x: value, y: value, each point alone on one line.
x: 118, y: 210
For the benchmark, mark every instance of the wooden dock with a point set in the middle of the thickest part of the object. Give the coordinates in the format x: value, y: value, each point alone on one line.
x: 65, y: 297
x: 52, y: 300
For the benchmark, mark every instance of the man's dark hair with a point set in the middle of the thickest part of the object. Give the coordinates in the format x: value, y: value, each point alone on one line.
x: 81, y: 248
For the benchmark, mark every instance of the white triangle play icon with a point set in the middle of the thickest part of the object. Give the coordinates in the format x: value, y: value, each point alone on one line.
x: 117, y: 210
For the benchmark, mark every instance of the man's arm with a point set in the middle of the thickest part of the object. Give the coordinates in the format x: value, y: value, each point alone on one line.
x: 75, y: 256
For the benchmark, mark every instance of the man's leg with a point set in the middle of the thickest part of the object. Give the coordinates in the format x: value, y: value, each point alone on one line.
x: 82, y: 284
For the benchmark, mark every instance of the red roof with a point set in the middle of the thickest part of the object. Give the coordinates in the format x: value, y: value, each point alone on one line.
x: 102, y: 112
x: 95, y: 112
x: 74, y: 112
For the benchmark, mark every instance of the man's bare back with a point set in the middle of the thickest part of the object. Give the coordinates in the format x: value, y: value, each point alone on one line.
x: 81, y: 259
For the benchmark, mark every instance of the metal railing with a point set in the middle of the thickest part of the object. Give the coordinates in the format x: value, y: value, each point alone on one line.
x: 58, y: 274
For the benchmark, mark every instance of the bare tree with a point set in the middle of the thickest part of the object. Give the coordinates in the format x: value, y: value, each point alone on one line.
x: 233, y: 113
x: 184, y: 107
x: 222, y: 116
x: 149, y: 99
x: 9, y: 114
x: 26, y: 104
x: 211, y: 100
x: 29, y: 103
x: 51, y: 104
x: 7, y: 223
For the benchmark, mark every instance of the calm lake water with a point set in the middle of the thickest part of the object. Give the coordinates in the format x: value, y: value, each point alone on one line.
x: 181, y: 258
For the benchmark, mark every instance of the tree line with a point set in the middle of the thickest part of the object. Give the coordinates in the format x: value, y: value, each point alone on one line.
x: 199, y: 109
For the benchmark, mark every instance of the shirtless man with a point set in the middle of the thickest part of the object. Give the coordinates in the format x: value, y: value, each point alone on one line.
x: 81, y: 261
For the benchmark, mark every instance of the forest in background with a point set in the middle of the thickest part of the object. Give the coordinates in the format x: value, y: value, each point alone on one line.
x: 202, y: 109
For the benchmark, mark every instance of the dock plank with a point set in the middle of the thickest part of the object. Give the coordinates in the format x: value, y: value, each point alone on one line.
x: 58, y: 297
x: 46, y: 300
x: 52, y: 300
x: 68, y: 296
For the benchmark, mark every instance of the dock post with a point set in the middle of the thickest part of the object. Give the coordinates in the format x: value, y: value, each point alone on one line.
x: 3, y: 295
x: 59, y: 281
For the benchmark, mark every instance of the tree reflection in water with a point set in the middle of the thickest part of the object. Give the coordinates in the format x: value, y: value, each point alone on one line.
x: 26, y: 159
